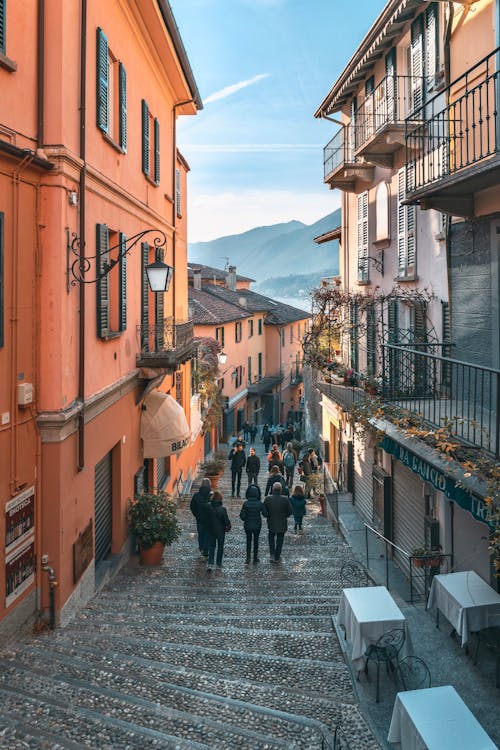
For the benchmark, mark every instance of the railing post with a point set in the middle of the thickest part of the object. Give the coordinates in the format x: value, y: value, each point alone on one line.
x: 386, y: 566
x: 366, y: 543
x: 497, y: 412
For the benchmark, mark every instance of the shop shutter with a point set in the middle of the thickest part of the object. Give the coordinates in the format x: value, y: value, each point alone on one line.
x: 363, y: 236
x: 363, y: 482
x: 431, y: 44
x: 417, y: 63
x: 144, y: 297
x: 408, y: 512
x: 102, y: 87
x: 102, y: 285
x: 103, y: 507
x: 122, y: 78
x: 157, y: 149
x: 123, y: 283
x: 145, y: 137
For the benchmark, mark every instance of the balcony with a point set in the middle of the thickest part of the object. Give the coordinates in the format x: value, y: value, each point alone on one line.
x: 296, y: 376
x: 445, y: 391
x: 380, y: 120
x: 165, y: 345
x: 453, y: 149
x: 263, y: 384
x: 341, y: 167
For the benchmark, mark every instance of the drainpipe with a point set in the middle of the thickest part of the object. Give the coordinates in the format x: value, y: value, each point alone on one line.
x: 174, y: 208
x: 41, y: 73
x: 81, y: 286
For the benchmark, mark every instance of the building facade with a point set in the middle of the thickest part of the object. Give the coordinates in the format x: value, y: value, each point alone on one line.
x: 95, y: 190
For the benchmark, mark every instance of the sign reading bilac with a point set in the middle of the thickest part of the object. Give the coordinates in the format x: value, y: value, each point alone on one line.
x: 438, y: 479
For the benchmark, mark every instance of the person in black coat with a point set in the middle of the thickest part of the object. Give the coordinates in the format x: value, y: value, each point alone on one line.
x: 277, y: 509
x: 275, y: 476
x: 252, y: 467
x: 251, y: 515
x: 238, y: 460
x: 201, y: 498
x: 217, y: 522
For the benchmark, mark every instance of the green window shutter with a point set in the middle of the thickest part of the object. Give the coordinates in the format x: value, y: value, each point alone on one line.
x: 122, y: 81
x: 420, y: 323
x: 160, y: 311
x: 417, y: 63
x: 157, y: 150
x: 102, y: 81
x: 102, y: 285
x: 2, y: 26
x: 371, y: 340
x: 144, y: 297
x: 145, y: 137
x: 392, y: 322
x: 2, y: 283
x: 123, y: 283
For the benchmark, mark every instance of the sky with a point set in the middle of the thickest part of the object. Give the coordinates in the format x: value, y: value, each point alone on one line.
x: 262, y: 68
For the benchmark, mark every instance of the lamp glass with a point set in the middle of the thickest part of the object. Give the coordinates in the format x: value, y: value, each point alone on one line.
x: 222, y: 358
x: 159, y: 276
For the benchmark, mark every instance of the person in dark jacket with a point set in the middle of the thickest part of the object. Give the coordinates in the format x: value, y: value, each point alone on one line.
x: 251, y: 515
x: 253, y: 433
x: 298, y: 503
x: 266, y: 437
x: 217, y: 522
x: 277, y: 510
x: 276, y: 476
x: 238, y: 460
x: 252, y: 467
x: 199, y: 498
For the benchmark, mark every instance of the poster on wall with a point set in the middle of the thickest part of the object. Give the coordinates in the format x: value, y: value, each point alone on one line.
x: 19, y: 570
x: 19, y: 518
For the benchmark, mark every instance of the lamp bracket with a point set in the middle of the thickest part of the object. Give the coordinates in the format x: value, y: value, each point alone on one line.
x: 377, y: 262
x: 82, y: 264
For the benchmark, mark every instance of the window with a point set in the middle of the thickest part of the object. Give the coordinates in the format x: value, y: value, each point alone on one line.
x: 250, y: 328
x: 382, y: 212
x: 259, y: 362
x: 416, y: 64
x: 237, y: 331
x: 363, y: 237
x: 298, y: 331
x: 111, y: 94
x: 291, y: 334
x: 238, y: 376
x: 2, y: 283
x: 259, y: 327
x: 391, y: 86
x: 407, y: 216
x: 219, y: 335
x: 249, y: 365
x: 111, y: 289
x: 282, y: 336
x: 178, y: 192
x: 150, y: 144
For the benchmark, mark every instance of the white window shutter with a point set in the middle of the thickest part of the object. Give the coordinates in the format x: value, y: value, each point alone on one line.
x: 363, y: 236
x: 401, y: 222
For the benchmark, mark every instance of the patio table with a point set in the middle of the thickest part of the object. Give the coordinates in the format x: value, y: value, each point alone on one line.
x: 366, y: 613
x: 436, y: 719
x: 467, y: 602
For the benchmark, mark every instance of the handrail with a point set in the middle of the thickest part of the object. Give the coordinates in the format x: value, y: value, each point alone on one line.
x: 448, y: 360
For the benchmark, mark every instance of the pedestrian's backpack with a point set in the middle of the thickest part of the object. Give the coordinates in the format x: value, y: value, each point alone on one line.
x: 288, y: 459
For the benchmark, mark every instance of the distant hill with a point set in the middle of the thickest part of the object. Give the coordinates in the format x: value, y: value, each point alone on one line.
x: 294, y: 286
x: 277, y: 250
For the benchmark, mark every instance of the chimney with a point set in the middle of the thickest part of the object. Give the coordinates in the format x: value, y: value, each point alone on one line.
x: 197, y: 278
x: 231, y: 278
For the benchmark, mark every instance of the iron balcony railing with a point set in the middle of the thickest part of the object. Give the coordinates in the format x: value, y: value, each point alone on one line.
x: 393, y: 99
x: 168, y: 342
x: 441, y: 390
x: 295, y: 376
x: 339, y: 151
x: 457, y: 128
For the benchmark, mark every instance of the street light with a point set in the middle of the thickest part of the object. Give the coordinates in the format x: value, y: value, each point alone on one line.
x: 222, y: 358
x: 159, y: 274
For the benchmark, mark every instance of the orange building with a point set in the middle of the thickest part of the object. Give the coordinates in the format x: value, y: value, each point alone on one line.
x: 262, y: 338
x: 91, y: 184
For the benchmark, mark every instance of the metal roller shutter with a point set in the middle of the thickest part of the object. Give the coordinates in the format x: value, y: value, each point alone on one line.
x: 363, y: 481
x: 103, y: 499
x: 408, y: 512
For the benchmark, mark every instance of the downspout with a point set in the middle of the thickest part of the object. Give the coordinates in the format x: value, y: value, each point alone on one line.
x: 174, y: 207
x: 83, y: 176
x: 40, y: 136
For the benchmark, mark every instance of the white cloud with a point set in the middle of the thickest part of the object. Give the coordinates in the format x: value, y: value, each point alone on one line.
x: 216, y: 215
x: 228, y: 90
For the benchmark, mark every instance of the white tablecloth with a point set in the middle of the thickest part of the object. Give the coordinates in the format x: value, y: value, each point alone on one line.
x: 466, y: 601
x: 366, y: 614
x: 436, y: 719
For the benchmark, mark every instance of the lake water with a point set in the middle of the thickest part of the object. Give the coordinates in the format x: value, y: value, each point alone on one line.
x: 303, y: 303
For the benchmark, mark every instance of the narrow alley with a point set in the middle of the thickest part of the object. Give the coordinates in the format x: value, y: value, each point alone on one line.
x: 171, y: 657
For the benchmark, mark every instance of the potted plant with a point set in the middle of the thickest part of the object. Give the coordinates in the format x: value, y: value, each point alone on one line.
x: 426, y: 558
x: 213, y: 467
x: 370, y: 383
x: 347, y: 374
x: 152, y: 517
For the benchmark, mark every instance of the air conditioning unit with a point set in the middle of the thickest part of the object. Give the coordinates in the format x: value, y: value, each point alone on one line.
x: 24, y: 394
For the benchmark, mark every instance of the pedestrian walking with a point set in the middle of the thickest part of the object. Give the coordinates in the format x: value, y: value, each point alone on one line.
x: 306, y: 471
x: 251, y: 515
x: 266, y: 437
x: 298, y: 503
x: 289, y: 461
x: 199, y: 498
x: 238, y: 460
x: 246, y: 430
x: 277, y: 510
x: 252, y: 467
x: 253, y: 433
x: 276, y: 476
x: 218, y: 524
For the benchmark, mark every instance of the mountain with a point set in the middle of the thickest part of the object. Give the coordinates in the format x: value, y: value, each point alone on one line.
x: 294, y: 286
x: 266, y: 252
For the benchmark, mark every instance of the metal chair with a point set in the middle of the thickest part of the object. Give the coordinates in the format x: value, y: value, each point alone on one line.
x: 353, y: 575
x: 339, y: 739
x: 490, y: 637
x: 413, y: 673
x: 385, y: 651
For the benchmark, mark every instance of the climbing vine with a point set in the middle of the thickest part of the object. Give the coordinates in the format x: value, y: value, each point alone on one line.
x: 205, y: 376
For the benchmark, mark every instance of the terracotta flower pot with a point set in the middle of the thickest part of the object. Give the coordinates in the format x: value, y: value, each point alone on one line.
x: 214, y: 479
x: 153, y: 555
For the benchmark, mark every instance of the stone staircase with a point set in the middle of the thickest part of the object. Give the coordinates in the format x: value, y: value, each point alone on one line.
x: 173, y: 657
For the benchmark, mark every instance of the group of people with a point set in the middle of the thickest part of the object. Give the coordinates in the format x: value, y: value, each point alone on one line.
x: 276, y: 507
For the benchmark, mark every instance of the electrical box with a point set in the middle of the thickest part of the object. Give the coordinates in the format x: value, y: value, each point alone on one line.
x: 24, y: 394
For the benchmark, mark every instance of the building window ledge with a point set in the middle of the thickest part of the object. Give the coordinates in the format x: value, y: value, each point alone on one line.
x: 113, y: 143
x: 7, y: 63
